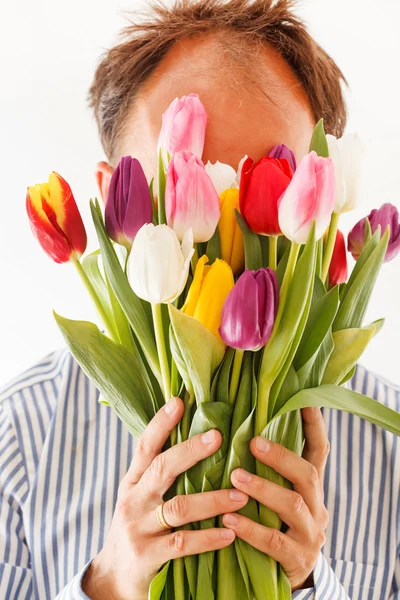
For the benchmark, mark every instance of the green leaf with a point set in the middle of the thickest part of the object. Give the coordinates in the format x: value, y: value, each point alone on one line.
x: 361, y: 284
x: 197, y: 352
x: 252, y: 246
x: 162, y: 218
x: 153, y: 204
x: 349, y: 345
x: 279, y: 346
x: 319, y: 142
x: 116, y: 372
x: 286, y: 430
x: 90, y: 264
x: 158, y: 583
x: 224, y: 377
x: 320, y: 319
x: 339, y: 398
x: 130, y: 303
x: 214, y: 247
x: 264, y: 243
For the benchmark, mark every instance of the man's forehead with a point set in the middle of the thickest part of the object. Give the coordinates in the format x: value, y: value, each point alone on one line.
x: 253, y: 100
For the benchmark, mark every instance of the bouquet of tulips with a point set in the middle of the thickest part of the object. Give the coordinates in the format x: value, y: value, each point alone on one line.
x: 229, y: 289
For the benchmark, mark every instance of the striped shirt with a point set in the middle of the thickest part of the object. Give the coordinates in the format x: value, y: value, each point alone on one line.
x: 62, y: 456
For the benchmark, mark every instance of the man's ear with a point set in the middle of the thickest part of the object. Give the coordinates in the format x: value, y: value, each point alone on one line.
x: 103, y: 178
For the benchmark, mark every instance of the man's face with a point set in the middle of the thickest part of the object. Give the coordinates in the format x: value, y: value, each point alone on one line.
x: 250, y: 109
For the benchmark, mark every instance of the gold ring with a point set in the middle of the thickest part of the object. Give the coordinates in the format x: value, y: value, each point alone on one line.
x: 160, y: 517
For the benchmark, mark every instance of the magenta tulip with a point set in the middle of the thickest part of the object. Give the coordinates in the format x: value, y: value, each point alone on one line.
x: 283, y: 151
x: 309, y: 197
x: 191, y: 200
x: 386, y: 215
x: 128, y: 203
x: 250, y: 310
x: 183, y: 127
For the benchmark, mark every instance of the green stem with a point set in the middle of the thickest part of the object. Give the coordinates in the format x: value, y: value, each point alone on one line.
x: 264, y: 384
x: 92, y: 292
x: 287, y: 280
x: 273, y: 251
x: 330, y: 245
x: 174, y: 379
x: 235, y: 377
x: 195, y: 259
x: 161, y: 349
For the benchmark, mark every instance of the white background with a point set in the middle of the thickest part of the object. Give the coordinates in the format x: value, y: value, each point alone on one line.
x: 48, y: 51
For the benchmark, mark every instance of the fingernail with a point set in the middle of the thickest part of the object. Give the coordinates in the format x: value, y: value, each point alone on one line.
x: 237, y: 496
x: 231, y: 519
x: 209, y: 437
x: 242, y: 476
x: 171, y: 406
x: 262, y: 444
x: 227, y: 534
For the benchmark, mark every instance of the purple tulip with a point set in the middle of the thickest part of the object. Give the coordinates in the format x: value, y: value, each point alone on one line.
x: 283, y: 151
x: 386, y: 215
x: 128, y: 204
x: 250, y: 310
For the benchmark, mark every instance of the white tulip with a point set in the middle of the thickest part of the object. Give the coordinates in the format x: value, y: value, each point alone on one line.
x: 222, y: 175
x: 346, y: 153
x: 158, y: 265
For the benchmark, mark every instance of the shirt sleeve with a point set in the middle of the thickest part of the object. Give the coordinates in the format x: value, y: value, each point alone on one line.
x: 15, y: 571
x: 326, y: 585
x: 73, y: 591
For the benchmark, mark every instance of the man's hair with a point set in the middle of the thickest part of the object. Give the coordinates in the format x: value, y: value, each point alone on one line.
x: 145, y: 42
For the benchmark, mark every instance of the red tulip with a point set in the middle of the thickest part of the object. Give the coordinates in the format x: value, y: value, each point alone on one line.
x: 55, y: 219
x: 338, y: 270
x: 262, y: 183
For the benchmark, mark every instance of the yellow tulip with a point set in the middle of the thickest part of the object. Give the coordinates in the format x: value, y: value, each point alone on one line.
x: 208, y: 292
x: 232, y: 248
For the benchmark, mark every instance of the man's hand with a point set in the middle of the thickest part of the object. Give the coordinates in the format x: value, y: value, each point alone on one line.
x: 136, y: 545
x: 303, y: 509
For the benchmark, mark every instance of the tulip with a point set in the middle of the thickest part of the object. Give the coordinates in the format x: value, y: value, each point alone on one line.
x: 55, y: 219
x: 346, y: 153
x: 310, y: 197
x: 128, y: 203
x: 283, y: 151
x: 223, y: 176
x: 232, y: 246
x: 208, y: 292
x: 191, y: 200
x: 386, y: 215
x: 250, y: 309
x: 338, y: 270
x: 262, y: 184
x: 183, y: 127
x: 158, y: 265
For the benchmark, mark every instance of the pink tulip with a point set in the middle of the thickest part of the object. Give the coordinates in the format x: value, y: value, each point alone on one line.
x: 183, y: 127
x: 309, y: 197
x: 191, y: 200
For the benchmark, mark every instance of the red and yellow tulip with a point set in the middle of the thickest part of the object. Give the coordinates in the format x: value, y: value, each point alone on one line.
x: 55, y: 219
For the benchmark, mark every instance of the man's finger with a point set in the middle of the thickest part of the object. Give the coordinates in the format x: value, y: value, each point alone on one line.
x: 166, y: 467
x: 268, y: 540
x: 185, y: 543
x: 296, y: 469
x: 182, y: 510
x: 317, y: 444
x: 289, y: 505
x: 153, y: 438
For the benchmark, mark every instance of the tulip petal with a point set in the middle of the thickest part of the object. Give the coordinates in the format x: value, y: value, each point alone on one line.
x: 222, y: 175
x: 216, y: 286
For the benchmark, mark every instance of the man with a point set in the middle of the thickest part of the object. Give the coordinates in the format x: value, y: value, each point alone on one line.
x: 67, y: 476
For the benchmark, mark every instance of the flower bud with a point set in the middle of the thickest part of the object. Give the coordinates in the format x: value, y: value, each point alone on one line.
x: 387, y: 215
x: 55, y: 219
x: 249, y: 312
